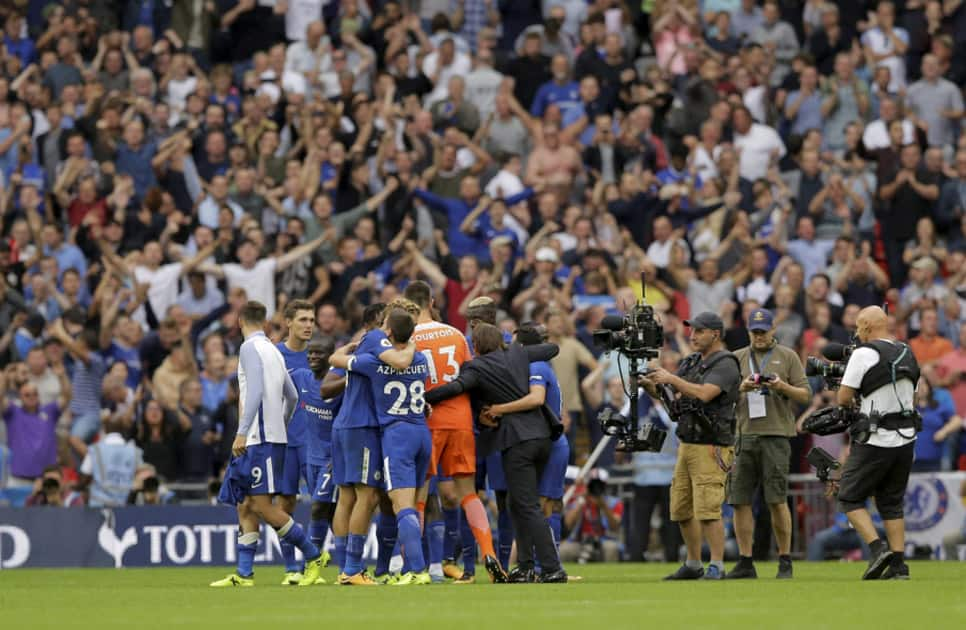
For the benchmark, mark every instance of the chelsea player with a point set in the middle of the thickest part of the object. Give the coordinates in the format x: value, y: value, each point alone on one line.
x: 317, y: 414
x: 267, y: 397
x: 300, y: 320
x: 356, y: 449
x: 406, y: 441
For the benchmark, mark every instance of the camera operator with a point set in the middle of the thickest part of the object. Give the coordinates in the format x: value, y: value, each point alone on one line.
x: 881, y: 375
x: 773, y: 379
x: 704, y: 407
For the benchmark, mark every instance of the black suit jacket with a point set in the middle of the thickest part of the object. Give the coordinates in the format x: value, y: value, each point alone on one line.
x: 501, y: 377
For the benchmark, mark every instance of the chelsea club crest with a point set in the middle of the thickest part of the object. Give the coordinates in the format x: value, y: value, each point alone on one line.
x: 926, y: 504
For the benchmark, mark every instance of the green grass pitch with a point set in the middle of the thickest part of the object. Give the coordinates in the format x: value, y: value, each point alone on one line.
x: 826, y: 595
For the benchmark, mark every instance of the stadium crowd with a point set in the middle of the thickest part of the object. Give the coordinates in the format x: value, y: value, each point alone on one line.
x: 163, y: 161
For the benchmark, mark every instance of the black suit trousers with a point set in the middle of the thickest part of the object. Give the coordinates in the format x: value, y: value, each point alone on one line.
x: 523, y: 465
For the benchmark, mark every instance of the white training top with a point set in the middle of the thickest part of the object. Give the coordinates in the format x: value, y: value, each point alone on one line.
x: 267, y: 395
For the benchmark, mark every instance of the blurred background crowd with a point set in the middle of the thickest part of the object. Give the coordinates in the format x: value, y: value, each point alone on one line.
x: 162, y: 161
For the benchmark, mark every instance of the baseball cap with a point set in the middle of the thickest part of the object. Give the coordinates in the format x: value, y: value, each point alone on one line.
x: 546, y: 254
x: 704, y: 321
x: 760, y: 319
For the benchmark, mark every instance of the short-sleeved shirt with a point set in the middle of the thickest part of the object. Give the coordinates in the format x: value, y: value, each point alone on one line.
x: 162, y: 285
x: 294, y: 360
x: 398, y: 394
x: 86, y: 385
x: 779, y: 411
x: 880, y: 43
x: 130, y: 357
x: 316, y: 414
x: 543, y: 375
x: 445, y: 349
x: 358, y: 409
x: 929, y: 101
x: 709, y: 297
x: 811, y: 255
x: 727, y: 376
x: 929, y: 350
x: 32, y: 439
x: 258, y: 282
x: 885, y: 400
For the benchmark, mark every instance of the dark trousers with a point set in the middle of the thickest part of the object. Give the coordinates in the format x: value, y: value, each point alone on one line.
x: 646, y: 498
x: 523, y: 465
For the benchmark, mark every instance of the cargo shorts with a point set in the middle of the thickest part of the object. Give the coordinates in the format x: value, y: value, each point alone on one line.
x: 698, y: 485
x: 760, y: 460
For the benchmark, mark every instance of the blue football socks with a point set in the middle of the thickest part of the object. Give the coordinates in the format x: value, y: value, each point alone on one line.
x: 386, y: 534
x: 247, y: 544
x: 410, y: 535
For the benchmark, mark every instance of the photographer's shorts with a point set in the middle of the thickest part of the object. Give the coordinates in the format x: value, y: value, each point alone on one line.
x: 698, y: 485
x: 760, y: 459
x: 874, y: 471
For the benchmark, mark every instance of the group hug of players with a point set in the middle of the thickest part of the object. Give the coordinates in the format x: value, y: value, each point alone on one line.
x: 354, y: 424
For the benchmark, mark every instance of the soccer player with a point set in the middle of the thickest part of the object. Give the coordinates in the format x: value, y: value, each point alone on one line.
x: 451, y: 424
x: 544, y: 389
x: 406, y: 442
x: 300, y: 320
x: 357, y: 451
x: 317, y: 414
x: 267, y: 398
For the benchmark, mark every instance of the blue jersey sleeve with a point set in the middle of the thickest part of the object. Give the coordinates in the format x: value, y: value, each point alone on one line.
x: 365, y: 364
x: 374, y: 342
x: 541, y: 373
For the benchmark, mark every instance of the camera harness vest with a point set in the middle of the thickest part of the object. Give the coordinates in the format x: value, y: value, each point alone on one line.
x: 695, y: 424
x: 896, y: 363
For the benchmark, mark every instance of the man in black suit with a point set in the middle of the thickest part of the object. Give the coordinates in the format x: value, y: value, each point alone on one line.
x: 498, y: 375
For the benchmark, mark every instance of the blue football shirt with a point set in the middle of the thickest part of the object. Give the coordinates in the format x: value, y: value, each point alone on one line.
x: 294, y: 360
x: 357, y: 409
x: 317, y: 415
x: 542, y: 374
x: 397, y: 394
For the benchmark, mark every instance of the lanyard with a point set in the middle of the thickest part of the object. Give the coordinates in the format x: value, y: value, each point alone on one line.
x: 756, y: 369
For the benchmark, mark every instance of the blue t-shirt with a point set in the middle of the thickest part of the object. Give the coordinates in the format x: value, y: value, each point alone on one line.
x: 358, y: 410
x: 566, y: 97
x: 129, y: 357
x: 398, y: 394
x: 213, y: 393
x: 316, y: 414
x: 294, y: 360
x: 933, y: 419
x: 542, y: 374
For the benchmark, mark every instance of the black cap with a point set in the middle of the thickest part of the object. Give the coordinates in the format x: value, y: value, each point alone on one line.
x: 704, y: 321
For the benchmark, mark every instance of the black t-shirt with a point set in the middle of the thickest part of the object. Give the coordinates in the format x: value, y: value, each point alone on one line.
x: 530, y: 74
x: 862, y: 293
x: 162, y: 453
x: 197, y: 458
x: 908, y: 206
x: 725, y: 374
